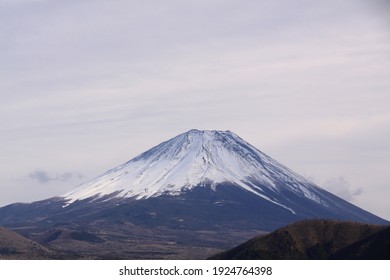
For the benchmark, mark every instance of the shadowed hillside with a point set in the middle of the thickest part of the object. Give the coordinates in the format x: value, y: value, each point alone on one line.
x: 317, y: 239
x: 376, y: 246
x: 15, y: 246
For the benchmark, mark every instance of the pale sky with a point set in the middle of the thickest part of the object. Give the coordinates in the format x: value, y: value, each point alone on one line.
x: 87, y: 85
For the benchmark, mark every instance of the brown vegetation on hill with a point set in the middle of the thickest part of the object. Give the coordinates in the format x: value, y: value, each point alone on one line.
x: 15, y: 246
x: 317, y: 239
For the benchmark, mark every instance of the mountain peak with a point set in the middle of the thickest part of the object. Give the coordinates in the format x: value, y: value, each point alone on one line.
x: 209, y: 132
x: 206, y: 135
x: 196, y: 158
x: 202, y: 131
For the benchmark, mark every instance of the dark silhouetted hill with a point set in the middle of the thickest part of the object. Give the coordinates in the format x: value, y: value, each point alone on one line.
x: 316, y: 239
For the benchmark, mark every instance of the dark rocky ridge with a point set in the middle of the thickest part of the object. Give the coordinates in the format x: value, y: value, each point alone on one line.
x: 316, y: 239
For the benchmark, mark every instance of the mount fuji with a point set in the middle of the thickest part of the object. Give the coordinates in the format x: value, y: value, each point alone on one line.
x: 200, y: 159
x: 197, y: 181
x: 223, y: 167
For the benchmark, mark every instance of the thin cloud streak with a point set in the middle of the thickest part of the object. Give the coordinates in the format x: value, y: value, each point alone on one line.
x: 44, y: 177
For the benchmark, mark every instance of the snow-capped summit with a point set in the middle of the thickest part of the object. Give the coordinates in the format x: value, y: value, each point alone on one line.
x: 191, y: 159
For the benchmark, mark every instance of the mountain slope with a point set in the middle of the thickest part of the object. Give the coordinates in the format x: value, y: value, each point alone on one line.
x: 15, y: 246
x: 376, y: 246
x: 316, y: 239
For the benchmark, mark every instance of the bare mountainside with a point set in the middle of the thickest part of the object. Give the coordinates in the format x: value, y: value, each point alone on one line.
x: 15, y: 246
x: 316, y: 239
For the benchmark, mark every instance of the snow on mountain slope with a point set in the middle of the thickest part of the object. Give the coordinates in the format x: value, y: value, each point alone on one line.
x: 195, y: 159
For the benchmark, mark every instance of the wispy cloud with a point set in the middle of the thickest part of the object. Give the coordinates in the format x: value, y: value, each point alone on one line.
x: 342, y: 188
x: 44, y: 177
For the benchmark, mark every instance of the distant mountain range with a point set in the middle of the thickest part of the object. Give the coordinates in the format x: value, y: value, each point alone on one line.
x: 184, y: 192
x: 316, y: 239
